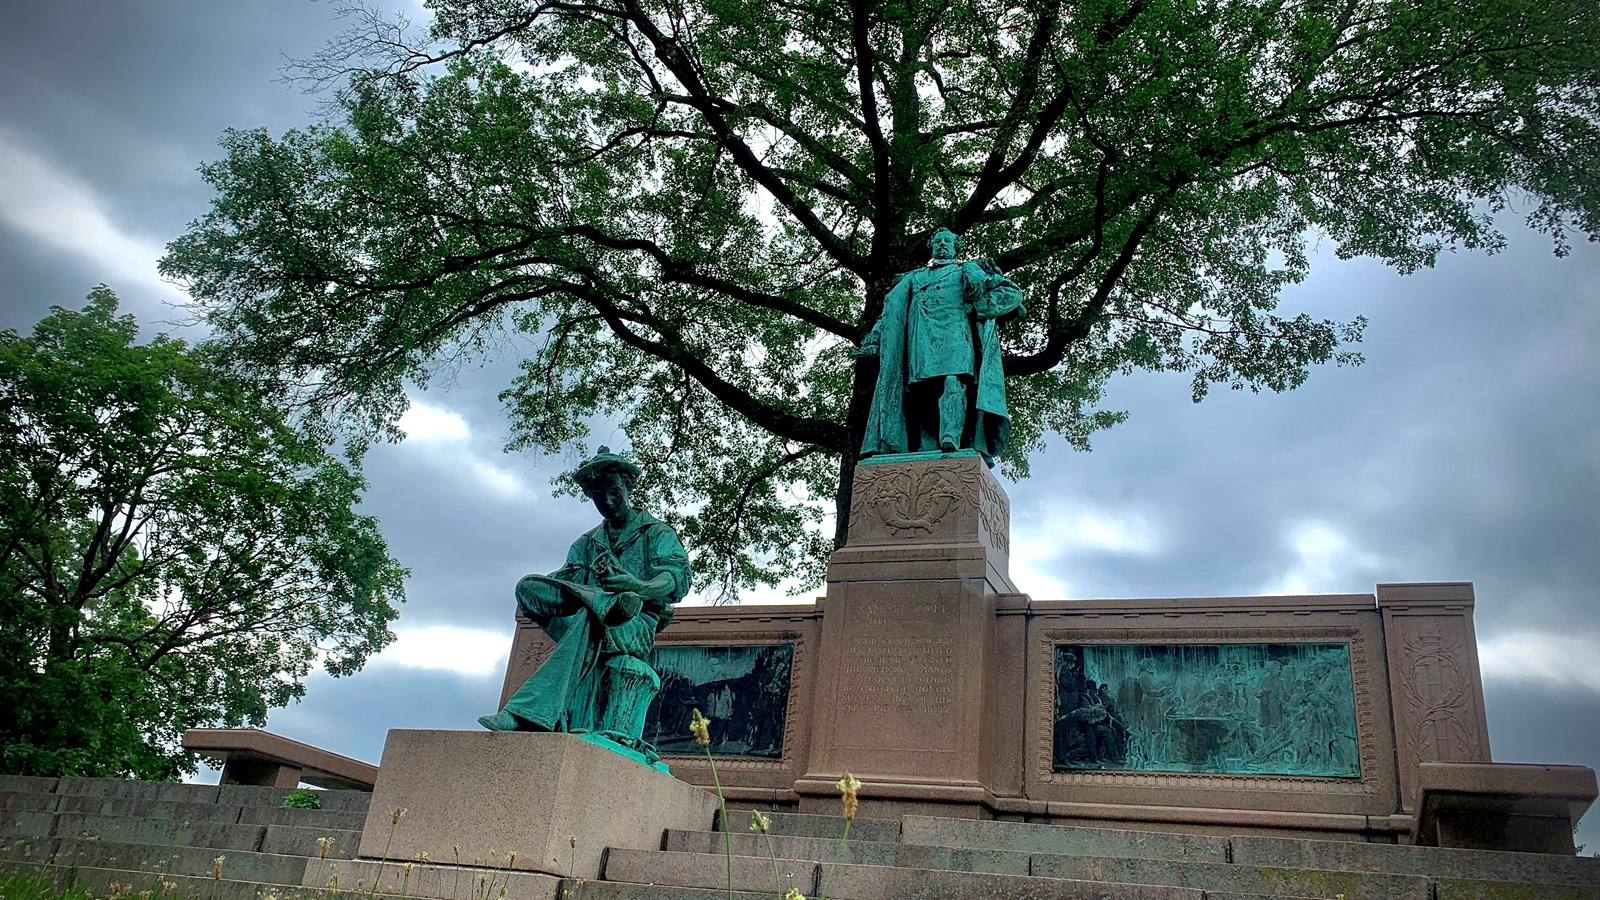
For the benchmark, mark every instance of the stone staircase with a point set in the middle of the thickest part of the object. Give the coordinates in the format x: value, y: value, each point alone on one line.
x: 113, y: 837
x: 239, y: 843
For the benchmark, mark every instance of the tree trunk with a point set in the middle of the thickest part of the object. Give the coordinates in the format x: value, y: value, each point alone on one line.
x: 863, y: 384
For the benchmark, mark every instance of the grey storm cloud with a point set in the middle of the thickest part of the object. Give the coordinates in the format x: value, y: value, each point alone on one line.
x: 1466, y: 448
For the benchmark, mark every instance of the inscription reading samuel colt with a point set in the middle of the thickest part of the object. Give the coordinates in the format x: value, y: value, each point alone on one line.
x: 885, y: 668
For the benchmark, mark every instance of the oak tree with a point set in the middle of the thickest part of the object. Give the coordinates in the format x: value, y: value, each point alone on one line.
x: 173, y: 554
x: 694, y: 209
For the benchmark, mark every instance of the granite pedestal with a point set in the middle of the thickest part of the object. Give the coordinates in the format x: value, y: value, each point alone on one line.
x: 543, y: 802
x: 909, y: 664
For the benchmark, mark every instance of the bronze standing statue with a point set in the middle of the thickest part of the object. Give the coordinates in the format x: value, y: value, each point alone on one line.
x: 940, y: 384
x: 602, y: 609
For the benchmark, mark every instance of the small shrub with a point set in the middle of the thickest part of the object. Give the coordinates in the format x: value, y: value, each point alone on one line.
x: 302, y: 800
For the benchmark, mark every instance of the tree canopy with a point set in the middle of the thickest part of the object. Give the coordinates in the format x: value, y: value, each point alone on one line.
x: 173, y: 554
x: 696, y: 207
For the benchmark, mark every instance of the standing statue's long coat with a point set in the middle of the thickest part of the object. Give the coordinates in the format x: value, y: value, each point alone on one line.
x: 913, y: 342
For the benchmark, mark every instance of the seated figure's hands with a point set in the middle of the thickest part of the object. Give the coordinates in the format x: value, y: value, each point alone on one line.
x: 617, y: 581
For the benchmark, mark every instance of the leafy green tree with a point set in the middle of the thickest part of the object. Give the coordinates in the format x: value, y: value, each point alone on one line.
x: 172, y: 553
x: 698, y: 206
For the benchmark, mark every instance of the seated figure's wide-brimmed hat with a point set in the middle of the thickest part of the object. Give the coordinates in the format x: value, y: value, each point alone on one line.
x: 604, y: 461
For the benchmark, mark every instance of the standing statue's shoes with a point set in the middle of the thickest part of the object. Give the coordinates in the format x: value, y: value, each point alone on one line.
x: 500, y: 721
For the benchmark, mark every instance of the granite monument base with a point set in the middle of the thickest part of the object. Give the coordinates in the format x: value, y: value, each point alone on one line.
x: 948, y: 692
x: 535, y: 802
x: 1502, y: 806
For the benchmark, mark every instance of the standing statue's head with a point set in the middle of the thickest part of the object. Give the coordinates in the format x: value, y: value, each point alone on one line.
x: 608, y: 479
x: 944, y: 244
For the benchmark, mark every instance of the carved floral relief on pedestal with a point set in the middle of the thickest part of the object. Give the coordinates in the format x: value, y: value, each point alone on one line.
x: 922, y: 500
x: 1439, y: 696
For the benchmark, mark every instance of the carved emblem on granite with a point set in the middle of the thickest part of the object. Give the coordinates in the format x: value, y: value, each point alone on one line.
x: 909, y: 502
x: 531, y: 648
x: 1438, y: 695
x: 995, y: 510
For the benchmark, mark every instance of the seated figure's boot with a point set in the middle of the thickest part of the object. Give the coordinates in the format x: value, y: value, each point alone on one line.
x: 500, y: 721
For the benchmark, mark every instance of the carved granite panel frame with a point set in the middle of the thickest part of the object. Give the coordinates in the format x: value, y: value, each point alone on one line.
x: 1434, y: 677
x: 1352, y: 620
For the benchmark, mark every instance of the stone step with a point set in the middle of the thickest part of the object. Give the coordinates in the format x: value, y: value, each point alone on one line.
x: 27, y: 800
x: 577, y: 889
x: 295, y: 840
x: 710, y: 870
x: 327, y: 819
x: 158, y: 832
x: 146, y: 808
x: 102, y: 881
x: 1062, y: 840
x: 871, y: 853
x: 1209, y: 876
x: 806, y: 825
x: 1214, y: 877
x: 34, y: 850
x: 1444, y: 862
x: 15, y: 823
x: 424, y: 881
x: 271, y: 868
x: 260, y: 795
x: 1466, y: 889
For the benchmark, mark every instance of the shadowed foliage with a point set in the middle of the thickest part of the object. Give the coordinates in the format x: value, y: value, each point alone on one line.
x: 172, y: 553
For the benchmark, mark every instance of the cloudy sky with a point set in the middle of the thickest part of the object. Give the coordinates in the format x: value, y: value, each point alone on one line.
x: 1466, y: 448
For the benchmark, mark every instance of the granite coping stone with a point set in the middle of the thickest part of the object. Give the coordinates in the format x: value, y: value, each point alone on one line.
x: 1441, y: 862
x: 121, y: 789
x: 427, y: 881
x: 254, y: 747
x: 871, y: 853
x: 30, y: 784
x: 895, y: 883
x: 710, y: 870
x: 160, y: 832
x: 1063, y: 840
x: 198, y: 861
x: 1232, y: 877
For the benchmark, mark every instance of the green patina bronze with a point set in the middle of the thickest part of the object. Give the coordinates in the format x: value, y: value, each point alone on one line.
x: 1231, y: 709
x: 743, y: 689
x: 940, y: 384
x: 603, y: 610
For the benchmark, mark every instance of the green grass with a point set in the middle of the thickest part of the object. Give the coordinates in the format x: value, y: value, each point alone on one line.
x: 33, y: 887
